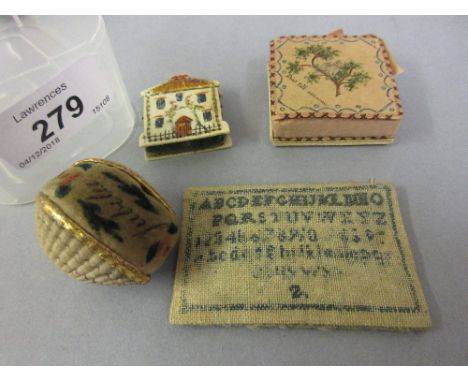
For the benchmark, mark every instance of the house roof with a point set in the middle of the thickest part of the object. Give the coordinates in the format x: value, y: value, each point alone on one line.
x: 180, y: 82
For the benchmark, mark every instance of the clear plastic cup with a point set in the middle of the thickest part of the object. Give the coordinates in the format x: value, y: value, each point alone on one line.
x: 61, y: 99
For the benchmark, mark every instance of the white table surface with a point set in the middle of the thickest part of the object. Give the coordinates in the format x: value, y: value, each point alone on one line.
x: 48, y: 318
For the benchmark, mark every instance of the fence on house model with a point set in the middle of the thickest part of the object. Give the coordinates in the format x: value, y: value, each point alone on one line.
x: 167, y: 135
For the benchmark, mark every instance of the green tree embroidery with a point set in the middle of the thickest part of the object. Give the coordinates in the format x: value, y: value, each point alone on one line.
x: 318, y: 60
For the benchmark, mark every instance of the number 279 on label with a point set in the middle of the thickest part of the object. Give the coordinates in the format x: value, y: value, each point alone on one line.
x: 73, y: 105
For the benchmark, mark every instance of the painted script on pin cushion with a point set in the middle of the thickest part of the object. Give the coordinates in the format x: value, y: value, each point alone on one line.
x: 306, y: 255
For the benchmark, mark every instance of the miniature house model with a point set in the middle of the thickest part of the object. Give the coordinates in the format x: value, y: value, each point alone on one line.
x: 183, y: 115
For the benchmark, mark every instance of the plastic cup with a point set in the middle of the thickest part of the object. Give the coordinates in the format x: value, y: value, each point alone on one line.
x: 61, y: 99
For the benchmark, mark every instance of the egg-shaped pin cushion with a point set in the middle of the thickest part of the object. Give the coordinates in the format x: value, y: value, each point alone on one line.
x: 100, y: 222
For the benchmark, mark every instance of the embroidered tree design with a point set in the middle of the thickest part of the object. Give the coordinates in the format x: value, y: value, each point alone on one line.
x: 318, y: 60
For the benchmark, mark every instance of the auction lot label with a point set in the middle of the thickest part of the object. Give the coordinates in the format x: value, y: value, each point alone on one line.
x: 39, y: 123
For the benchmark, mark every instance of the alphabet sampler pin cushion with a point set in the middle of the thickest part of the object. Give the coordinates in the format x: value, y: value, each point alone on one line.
x: 100, y: 222
x: 183, y: 115
x: 333, y: 255
x: 332, y: 90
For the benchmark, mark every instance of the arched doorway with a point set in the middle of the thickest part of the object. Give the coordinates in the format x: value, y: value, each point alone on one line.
x: 183, y: 126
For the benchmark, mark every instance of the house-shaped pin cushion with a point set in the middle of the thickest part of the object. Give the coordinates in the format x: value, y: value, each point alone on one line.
x: 183, y: 115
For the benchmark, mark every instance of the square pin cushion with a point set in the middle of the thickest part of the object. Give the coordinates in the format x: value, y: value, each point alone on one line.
x: 333, y: 90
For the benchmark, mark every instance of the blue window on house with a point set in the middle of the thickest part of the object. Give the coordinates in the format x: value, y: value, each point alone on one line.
x: 179, y: 96
x: 159, y: 122
x: 207, y: 115
x: 201, y: 97
x: 160, y: 103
